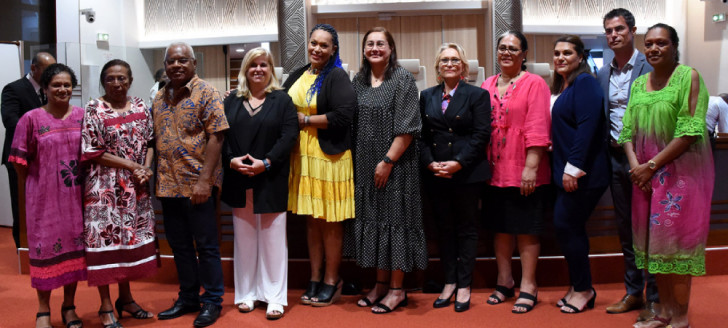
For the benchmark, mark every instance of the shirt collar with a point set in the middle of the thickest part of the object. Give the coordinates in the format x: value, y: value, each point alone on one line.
x: 36, y: 86
x: 189, y: 85
x: 629, y: 64
x: 451, y: 93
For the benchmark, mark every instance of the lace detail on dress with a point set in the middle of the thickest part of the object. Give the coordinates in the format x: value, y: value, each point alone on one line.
x: 689, y: 126
x: 679, y: 264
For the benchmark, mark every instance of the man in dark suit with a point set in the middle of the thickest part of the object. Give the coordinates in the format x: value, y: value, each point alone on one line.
x: 616, y: 79
x: 18, y: 98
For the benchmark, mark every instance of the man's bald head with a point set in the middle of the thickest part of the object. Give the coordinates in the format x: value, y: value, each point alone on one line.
x: 724, y: 96
x: 39, y: 63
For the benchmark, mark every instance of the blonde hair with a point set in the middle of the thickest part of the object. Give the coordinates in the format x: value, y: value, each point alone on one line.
x: 243, y: 90
x: 461, y: 54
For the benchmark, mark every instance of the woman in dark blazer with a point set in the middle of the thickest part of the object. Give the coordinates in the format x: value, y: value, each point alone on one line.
x: 322, y: 173
x: 455, y: 132
x: 256, y: 155
x: 580, y: 166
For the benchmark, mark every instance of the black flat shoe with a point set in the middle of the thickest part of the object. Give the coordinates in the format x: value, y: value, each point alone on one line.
x: 208, y: 315
x: 311, y: 291
x: 386, y: 309
x: 589, y: 305
x: 138, y: 314
x: 507, y: 293
x: 443, y: 302
x: 177, y: 310
x: 327, y: 294
x: 528, y: 307
x: 114, y: 323
x: 73, y: 323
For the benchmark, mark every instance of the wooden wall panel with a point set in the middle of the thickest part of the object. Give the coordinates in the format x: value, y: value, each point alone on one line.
x: 421, y: 37
x: 467, y: 31
x: 347, y: 30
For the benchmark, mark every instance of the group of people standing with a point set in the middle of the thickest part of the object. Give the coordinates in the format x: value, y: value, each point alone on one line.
x: 352, y: 156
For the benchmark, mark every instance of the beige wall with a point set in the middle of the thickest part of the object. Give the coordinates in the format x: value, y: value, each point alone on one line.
x: 706, y: 44
x: 416, y: 37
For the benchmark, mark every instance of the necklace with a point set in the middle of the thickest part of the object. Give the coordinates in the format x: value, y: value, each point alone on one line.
x: 510, y: 81
x: 313, y: 70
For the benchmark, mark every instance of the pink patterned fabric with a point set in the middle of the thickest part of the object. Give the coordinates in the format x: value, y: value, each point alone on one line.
x: 118, y: 214
x: 51, y: 149
x: 519, y: 119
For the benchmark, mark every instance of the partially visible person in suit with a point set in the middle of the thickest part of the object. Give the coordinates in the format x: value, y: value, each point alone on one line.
x: 455, y: 132
x: 579, y: 164
x: 616, y: 78
x: 256, y: 160
x: 716, y: 119
x: 19, y: 97
x: 516, y: 198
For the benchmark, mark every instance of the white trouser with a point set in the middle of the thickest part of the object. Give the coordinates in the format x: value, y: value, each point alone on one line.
x: 261, y: 255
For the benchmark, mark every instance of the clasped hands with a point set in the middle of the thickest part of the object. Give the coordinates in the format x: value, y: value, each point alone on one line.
x: 254, y: 167
x: 445, y: 169
x: 142, y: 174
x: 641, y: 175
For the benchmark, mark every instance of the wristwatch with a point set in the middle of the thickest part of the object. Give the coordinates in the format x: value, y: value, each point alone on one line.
x: 652, y: 164
x: 388, y: 160
x: 266, y: 164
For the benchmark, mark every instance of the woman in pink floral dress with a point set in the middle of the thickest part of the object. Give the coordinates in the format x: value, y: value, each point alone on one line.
x: 118, y: 215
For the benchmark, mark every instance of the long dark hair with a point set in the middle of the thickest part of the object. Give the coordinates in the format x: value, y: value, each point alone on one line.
x: 392, y: 63
x: 521, y: 38
x: 558, y: 81
x: 334, y: 60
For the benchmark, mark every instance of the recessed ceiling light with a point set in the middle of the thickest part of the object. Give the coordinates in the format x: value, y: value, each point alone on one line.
x: 239, y: 50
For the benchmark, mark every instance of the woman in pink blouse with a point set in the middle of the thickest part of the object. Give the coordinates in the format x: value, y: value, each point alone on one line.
x: 520, y: 135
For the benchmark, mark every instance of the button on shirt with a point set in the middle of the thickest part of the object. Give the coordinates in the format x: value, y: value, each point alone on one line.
x: 619, y: 84
x: 181, y: 132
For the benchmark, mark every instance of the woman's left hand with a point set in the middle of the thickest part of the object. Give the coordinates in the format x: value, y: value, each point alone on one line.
x: 251, y: 170
x: 448, y: 168
x: 641, y: 175
x: 381, y: 174
x: 570, y: 183
x: 528, y: 181
x: 301, y: 120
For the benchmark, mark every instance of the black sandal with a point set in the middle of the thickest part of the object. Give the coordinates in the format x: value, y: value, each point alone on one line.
x: 386, y: 308
x: 507, y: 293
x: 327, y: 294
x: 370, y: 303
x: 138, y: 314
x: 528, y: 307
x: 311, y: 291
x: 114, y: 324
x: 78, y: 323
x: 42, y: 314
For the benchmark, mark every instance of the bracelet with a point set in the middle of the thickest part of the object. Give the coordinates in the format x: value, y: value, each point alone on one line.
x: 266, y: 164
x: 306, y: 120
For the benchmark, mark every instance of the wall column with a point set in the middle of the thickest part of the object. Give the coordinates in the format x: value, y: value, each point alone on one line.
x: 292, y: 33
x: 506, y: 15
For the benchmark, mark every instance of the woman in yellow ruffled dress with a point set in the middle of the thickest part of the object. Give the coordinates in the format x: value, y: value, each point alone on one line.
x: 321, y: 184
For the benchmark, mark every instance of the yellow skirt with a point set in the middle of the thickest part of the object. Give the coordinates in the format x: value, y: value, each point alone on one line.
x: 320, y: 185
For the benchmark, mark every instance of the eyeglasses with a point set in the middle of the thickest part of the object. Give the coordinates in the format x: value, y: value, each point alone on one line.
x: 504, y: 49
x: 112, y: 79
x: 182, y: 61
x: 453, y: 61
x: 378, y: 45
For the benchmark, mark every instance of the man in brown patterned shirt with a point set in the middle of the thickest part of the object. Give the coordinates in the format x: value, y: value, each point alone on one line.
x: 189, y: 121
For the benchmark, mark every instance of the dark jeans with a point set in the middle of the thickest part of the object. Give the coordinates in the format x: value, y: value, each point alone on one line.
x: 13, y: 181
x: 191, y: 231
x: 621, y: 189
x: 456, y: 216
x: 571, y: 211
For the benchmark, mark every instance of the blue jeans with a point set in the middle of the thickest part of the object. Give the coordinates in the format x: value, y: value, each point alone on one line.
x: 191, y: 231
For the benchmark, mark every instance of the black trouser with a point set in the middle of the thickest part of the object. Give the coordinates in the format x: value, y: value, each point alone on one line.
x: 571, y: 211
x: 191, y: 231
x: 621, y: 189
x: 456, y: 217
x: 13, y: 180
